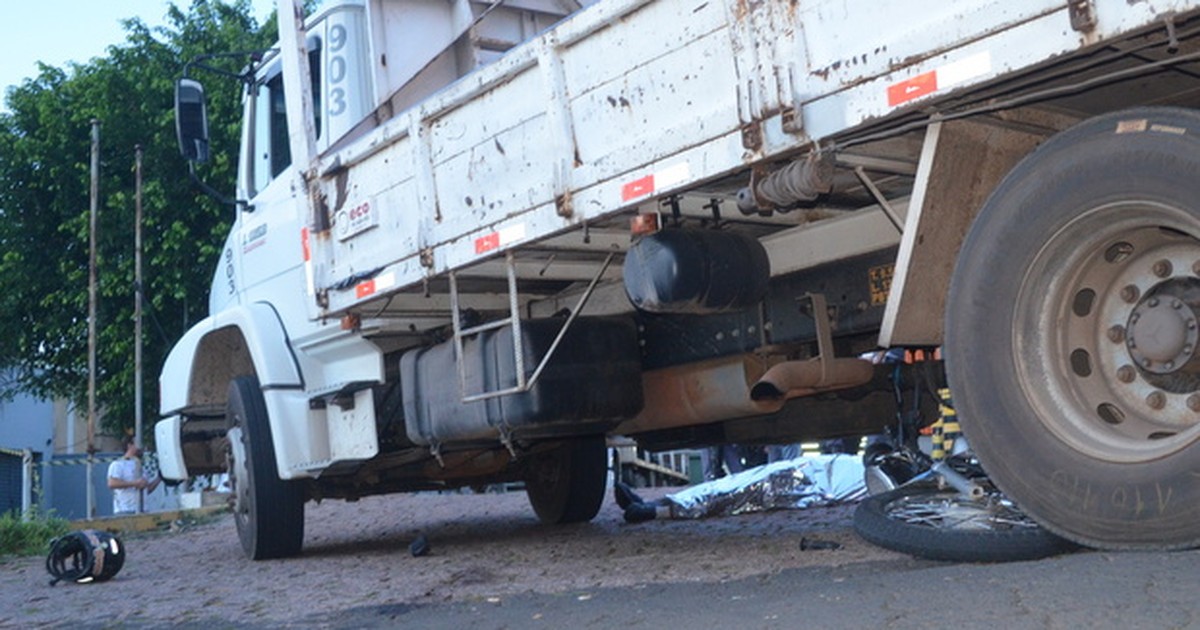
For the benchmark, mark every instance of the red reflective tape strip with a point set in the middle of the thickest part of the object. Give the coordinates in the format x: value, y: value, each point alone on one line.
x: 363, y: 289
x: 304, y: 244
x: 638, y: 188
x: 487, y: 243
x: 915, y: 87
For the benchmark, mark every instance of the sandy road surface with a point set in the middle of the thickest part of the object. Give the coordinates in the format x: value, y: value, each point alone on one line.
x: 483, y: 548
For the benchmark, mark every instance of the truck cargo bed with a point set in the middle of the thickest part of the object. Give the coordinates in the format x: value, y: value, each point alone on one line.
x: 628, y: 101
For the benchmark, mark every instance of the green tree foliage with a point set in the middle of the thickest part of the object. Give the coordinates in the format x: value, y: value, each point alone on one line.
x: 44, y: 206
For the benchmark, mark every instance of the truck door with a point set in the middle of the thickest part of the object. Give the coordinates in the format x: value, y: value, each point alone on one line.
x: 268, y: 239
x: 272, y: 241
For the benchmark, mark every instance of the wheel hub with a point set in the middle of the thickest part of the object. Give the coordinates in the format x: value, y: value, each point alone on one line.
x: 1162, y: 333
x: 239, y: 475
x: 1126, y: 324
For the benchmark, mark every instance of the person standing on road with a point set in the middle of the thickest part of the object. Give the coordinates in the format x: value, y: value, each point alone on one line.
x: 126, y: 480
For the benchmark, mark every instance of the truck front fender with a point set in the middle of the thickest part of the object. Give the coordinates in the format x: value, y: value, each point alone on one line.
x: 242, y: 340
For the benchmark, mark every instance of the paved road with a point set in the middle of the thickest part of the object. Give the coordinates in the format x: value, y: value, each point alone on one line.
x: 494, y: 566
x: 1081, y: 590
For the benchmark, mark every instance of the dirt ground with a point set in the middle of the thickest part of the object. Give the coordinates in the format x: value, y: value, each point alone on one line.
x: 483, y: 547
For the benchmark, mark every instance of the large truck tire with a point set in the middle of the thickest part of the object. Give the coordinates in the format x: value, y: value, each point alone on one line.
x: 1071, y: 332
x: 566, y: 484
x: 268, y: 511
x: 942, y: 524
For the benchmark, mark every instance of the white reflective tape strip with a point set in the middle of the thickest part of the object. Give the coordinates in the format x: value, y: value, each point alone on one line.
x: 310, y: 282
x: 672, y: 175
x: 964, y: 70
x: 647, y: 185
x: 385, y: 281
x: 512, y: 234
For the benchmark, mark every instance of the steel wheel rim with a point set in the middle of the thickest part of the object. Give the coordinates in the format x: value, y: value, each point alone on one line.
x: 1081, y: 308
x: 951, y: 511
x: 238, y: 476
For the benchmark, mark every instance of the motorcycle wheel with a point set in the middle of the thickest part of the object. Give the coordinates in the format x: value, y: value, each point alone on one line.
x: 942, y: 524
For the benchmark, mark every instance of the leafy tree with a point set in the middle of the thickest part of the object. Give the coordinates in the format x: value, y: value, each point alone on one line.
x: 44, y: 207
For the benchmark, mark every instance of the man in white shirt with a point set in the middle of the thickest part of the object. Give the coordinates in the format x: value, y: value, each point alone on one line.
x: 126, y: 480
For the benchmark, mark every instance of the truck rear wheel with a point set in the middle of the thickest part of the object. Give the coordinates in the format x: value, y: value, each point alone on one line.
x: 566, y: 484
x: 1071, y: 332
x: 268, y: 511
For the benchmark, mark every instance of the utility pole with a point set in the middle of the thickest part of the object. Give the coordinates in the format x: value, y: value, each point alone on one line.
x: 137, y: 307
x: 91, y: 425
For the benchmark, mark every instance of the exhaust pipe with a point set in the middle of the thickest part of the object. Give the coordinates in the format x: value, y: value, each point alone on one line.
x: 735, y: 387
x: 792, y: 379
x: 700, y: 393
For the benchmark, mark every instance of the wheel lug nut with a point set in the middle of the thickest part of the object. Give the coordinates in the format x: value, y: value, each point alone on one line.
x: 1153, y: 302
x: 1193, y: 402
x: 1196, y: 268
x: 1130, y: 293
x: 1162, y: 268
x: 1176, y: 304
x: 1116, y: 334
x: 1126, y: 374
x: 1156, y: 400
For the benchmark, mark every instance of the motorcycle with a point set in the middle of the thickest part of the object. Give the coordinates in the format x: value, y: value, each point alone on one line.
x: 937, y: 502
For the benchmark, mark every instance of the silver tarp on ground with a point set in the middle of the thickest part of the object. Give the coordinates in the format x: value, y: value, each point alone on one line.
x: 808, y: 481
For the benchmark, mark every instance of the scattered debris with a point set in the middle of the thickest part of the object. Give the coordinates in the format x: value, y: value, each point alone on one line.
x: 816, y: 544
x: 419, y: 547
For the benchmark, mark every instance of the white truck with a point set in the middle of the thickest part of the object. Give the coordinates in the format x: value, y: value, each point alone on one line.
x: 474, y: 238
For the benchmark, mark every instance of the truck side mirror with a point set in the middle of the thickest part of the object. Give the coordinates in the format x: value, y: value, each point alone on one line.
x: 191, y: 120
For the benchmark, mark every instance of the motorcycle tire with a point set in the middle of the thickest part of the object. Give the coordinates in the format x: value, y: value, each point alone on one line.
x: 941, y: 524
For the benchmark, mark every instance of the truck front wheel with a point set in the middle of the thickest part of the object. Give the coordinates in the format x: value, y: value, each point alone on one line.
x: 1072, y: 332
x: 268, y: 511
x: 566, y: 484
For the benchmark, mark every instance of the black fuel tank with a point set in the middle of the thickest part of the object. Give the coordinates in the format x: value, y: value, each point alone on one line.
x: 696, y: 272
x: 593, y: 380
